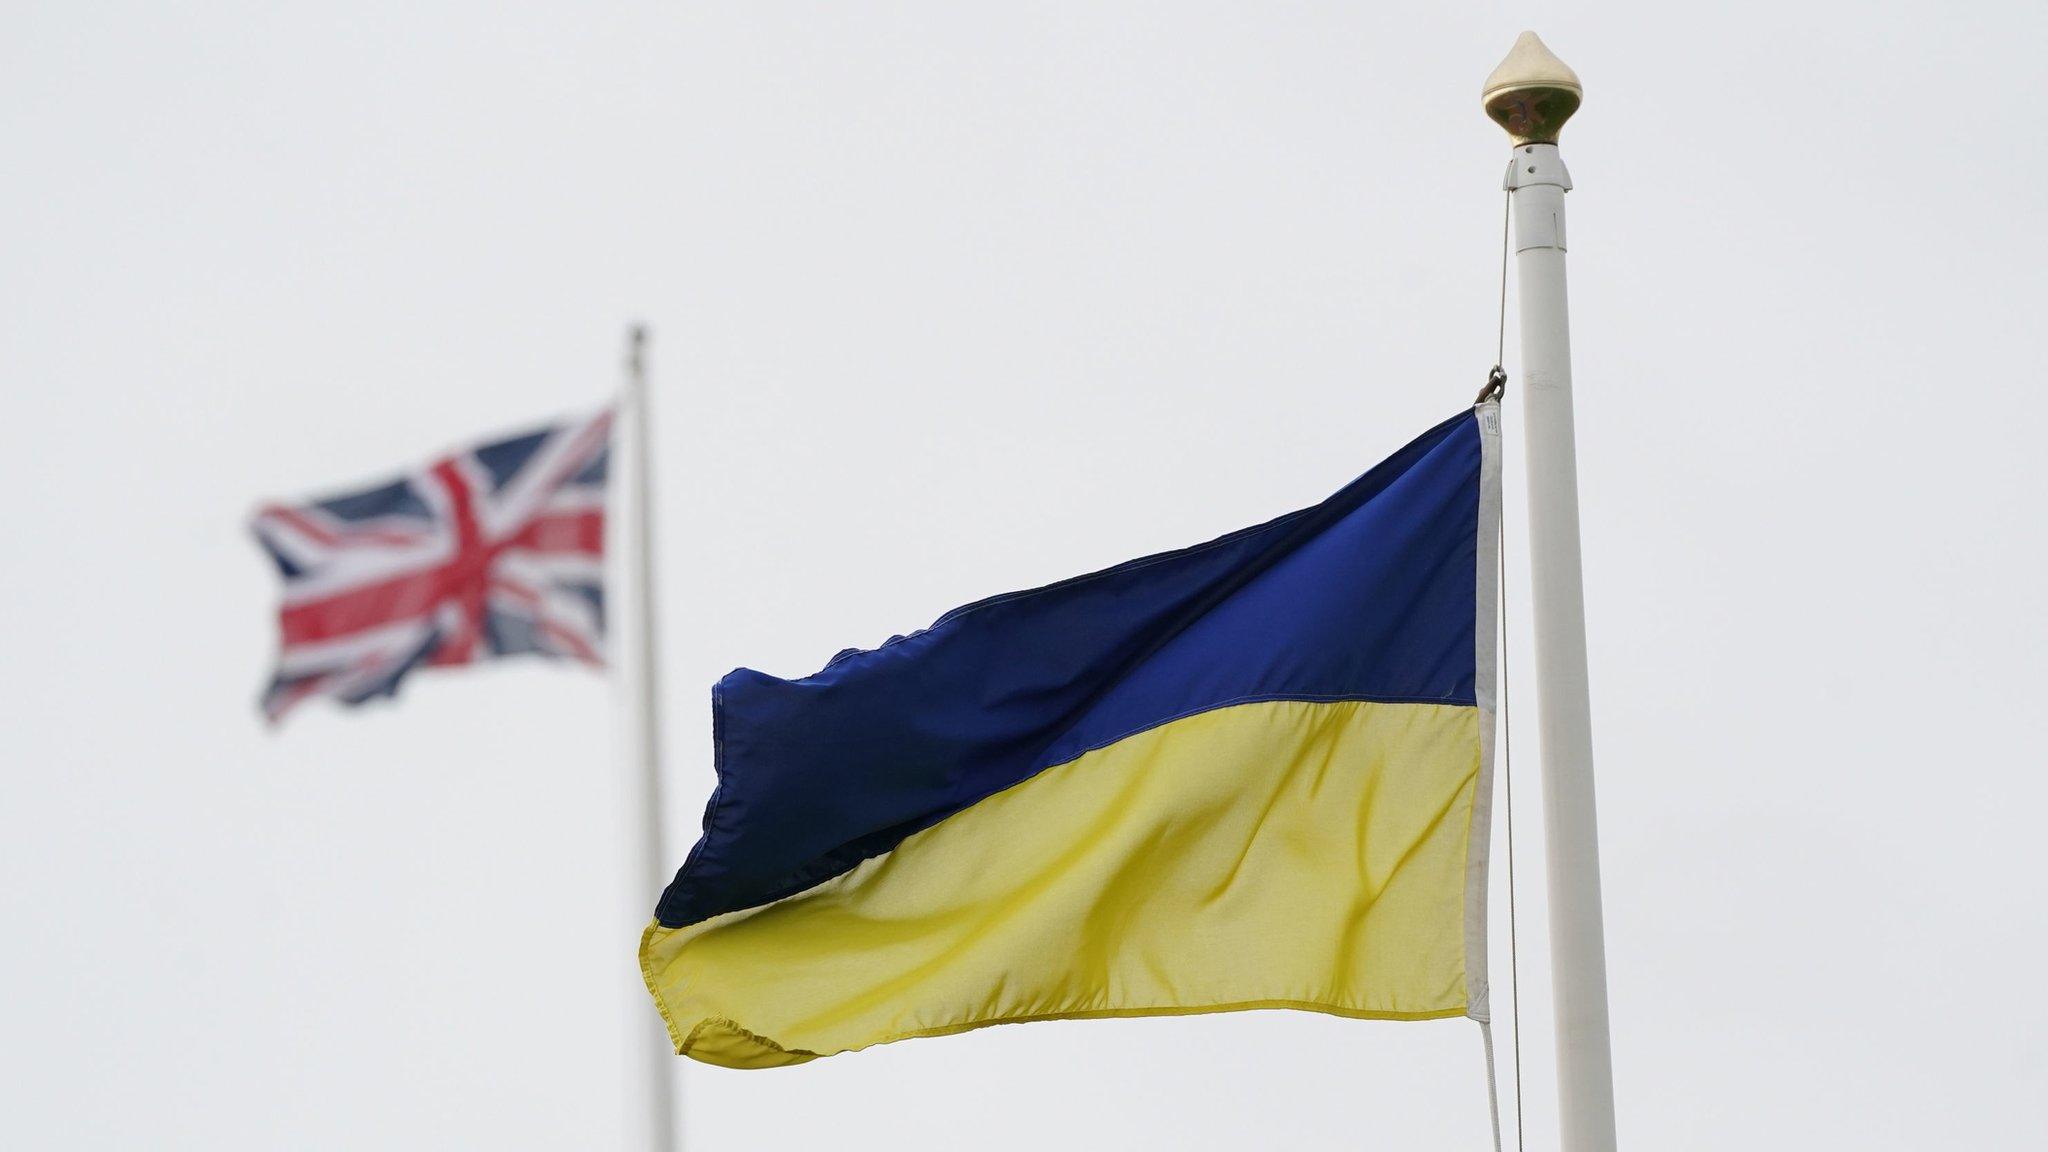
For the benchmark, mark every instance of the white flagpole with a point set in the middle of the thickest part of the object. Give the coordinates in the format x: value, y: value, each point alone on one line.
x: 644, y: 676
x: 1531, y: 95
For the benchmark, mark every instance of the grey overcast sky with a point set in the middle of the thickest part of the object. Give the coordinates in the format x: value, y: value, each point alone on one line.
x: 956, y: 298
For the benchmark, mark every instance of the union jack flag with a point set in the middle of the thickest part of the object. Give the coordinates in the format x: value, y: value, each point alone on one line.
x: 492, y: 551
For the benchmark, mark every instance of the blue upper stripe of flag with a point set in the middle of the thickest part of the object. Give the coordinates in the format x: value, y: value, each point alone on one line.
x: 1368, y: 595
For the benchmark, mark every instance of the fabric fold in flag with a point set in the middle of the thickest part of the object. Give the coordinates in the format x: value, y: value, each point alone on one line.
x: 493, y: 551
x: 1250, y: 774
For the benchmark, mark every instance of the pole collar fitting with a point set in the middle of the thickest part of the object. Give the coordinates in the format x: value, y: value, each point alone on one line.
x: 1534, y: 165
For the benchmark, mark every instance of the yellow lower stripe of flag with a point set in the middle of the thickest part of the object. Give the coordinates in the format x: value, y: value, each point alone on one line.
x: 1279, y: 854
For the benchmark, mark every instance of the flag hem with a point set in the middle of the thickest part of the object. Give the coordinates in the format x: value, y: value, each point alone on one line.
x: 1479, y: 827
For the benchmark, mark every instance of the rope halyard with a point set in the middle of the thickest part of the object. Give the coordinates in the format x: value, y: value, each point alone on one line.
x: 1497, y: 379
x: 1507, y: 775
x: 1496, y: 388
x: 1500, y: 333
x: 1514, y: 942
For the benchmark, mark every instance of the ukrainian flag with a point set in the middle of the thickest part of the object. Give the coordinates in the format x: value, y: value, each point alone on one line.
x: 1249, y: 774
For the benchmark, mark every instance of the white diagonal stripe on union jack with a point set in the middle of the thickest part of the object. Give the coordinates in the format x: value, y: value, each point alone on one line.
x: 493, y: 551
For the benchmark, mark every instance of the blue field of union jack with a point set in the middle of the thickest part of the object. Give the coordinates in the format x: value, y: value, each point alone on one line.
x: 493, y: 551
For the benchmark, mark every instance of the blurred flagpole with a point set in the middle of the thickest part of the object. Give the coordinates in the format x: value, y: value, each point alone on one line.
x: 1531, y: 95
x: 642, y: 663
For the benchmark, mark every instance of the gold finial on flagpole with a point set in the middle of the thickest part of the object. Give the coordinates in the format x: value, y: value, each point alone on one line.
x: 1532, y: 93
